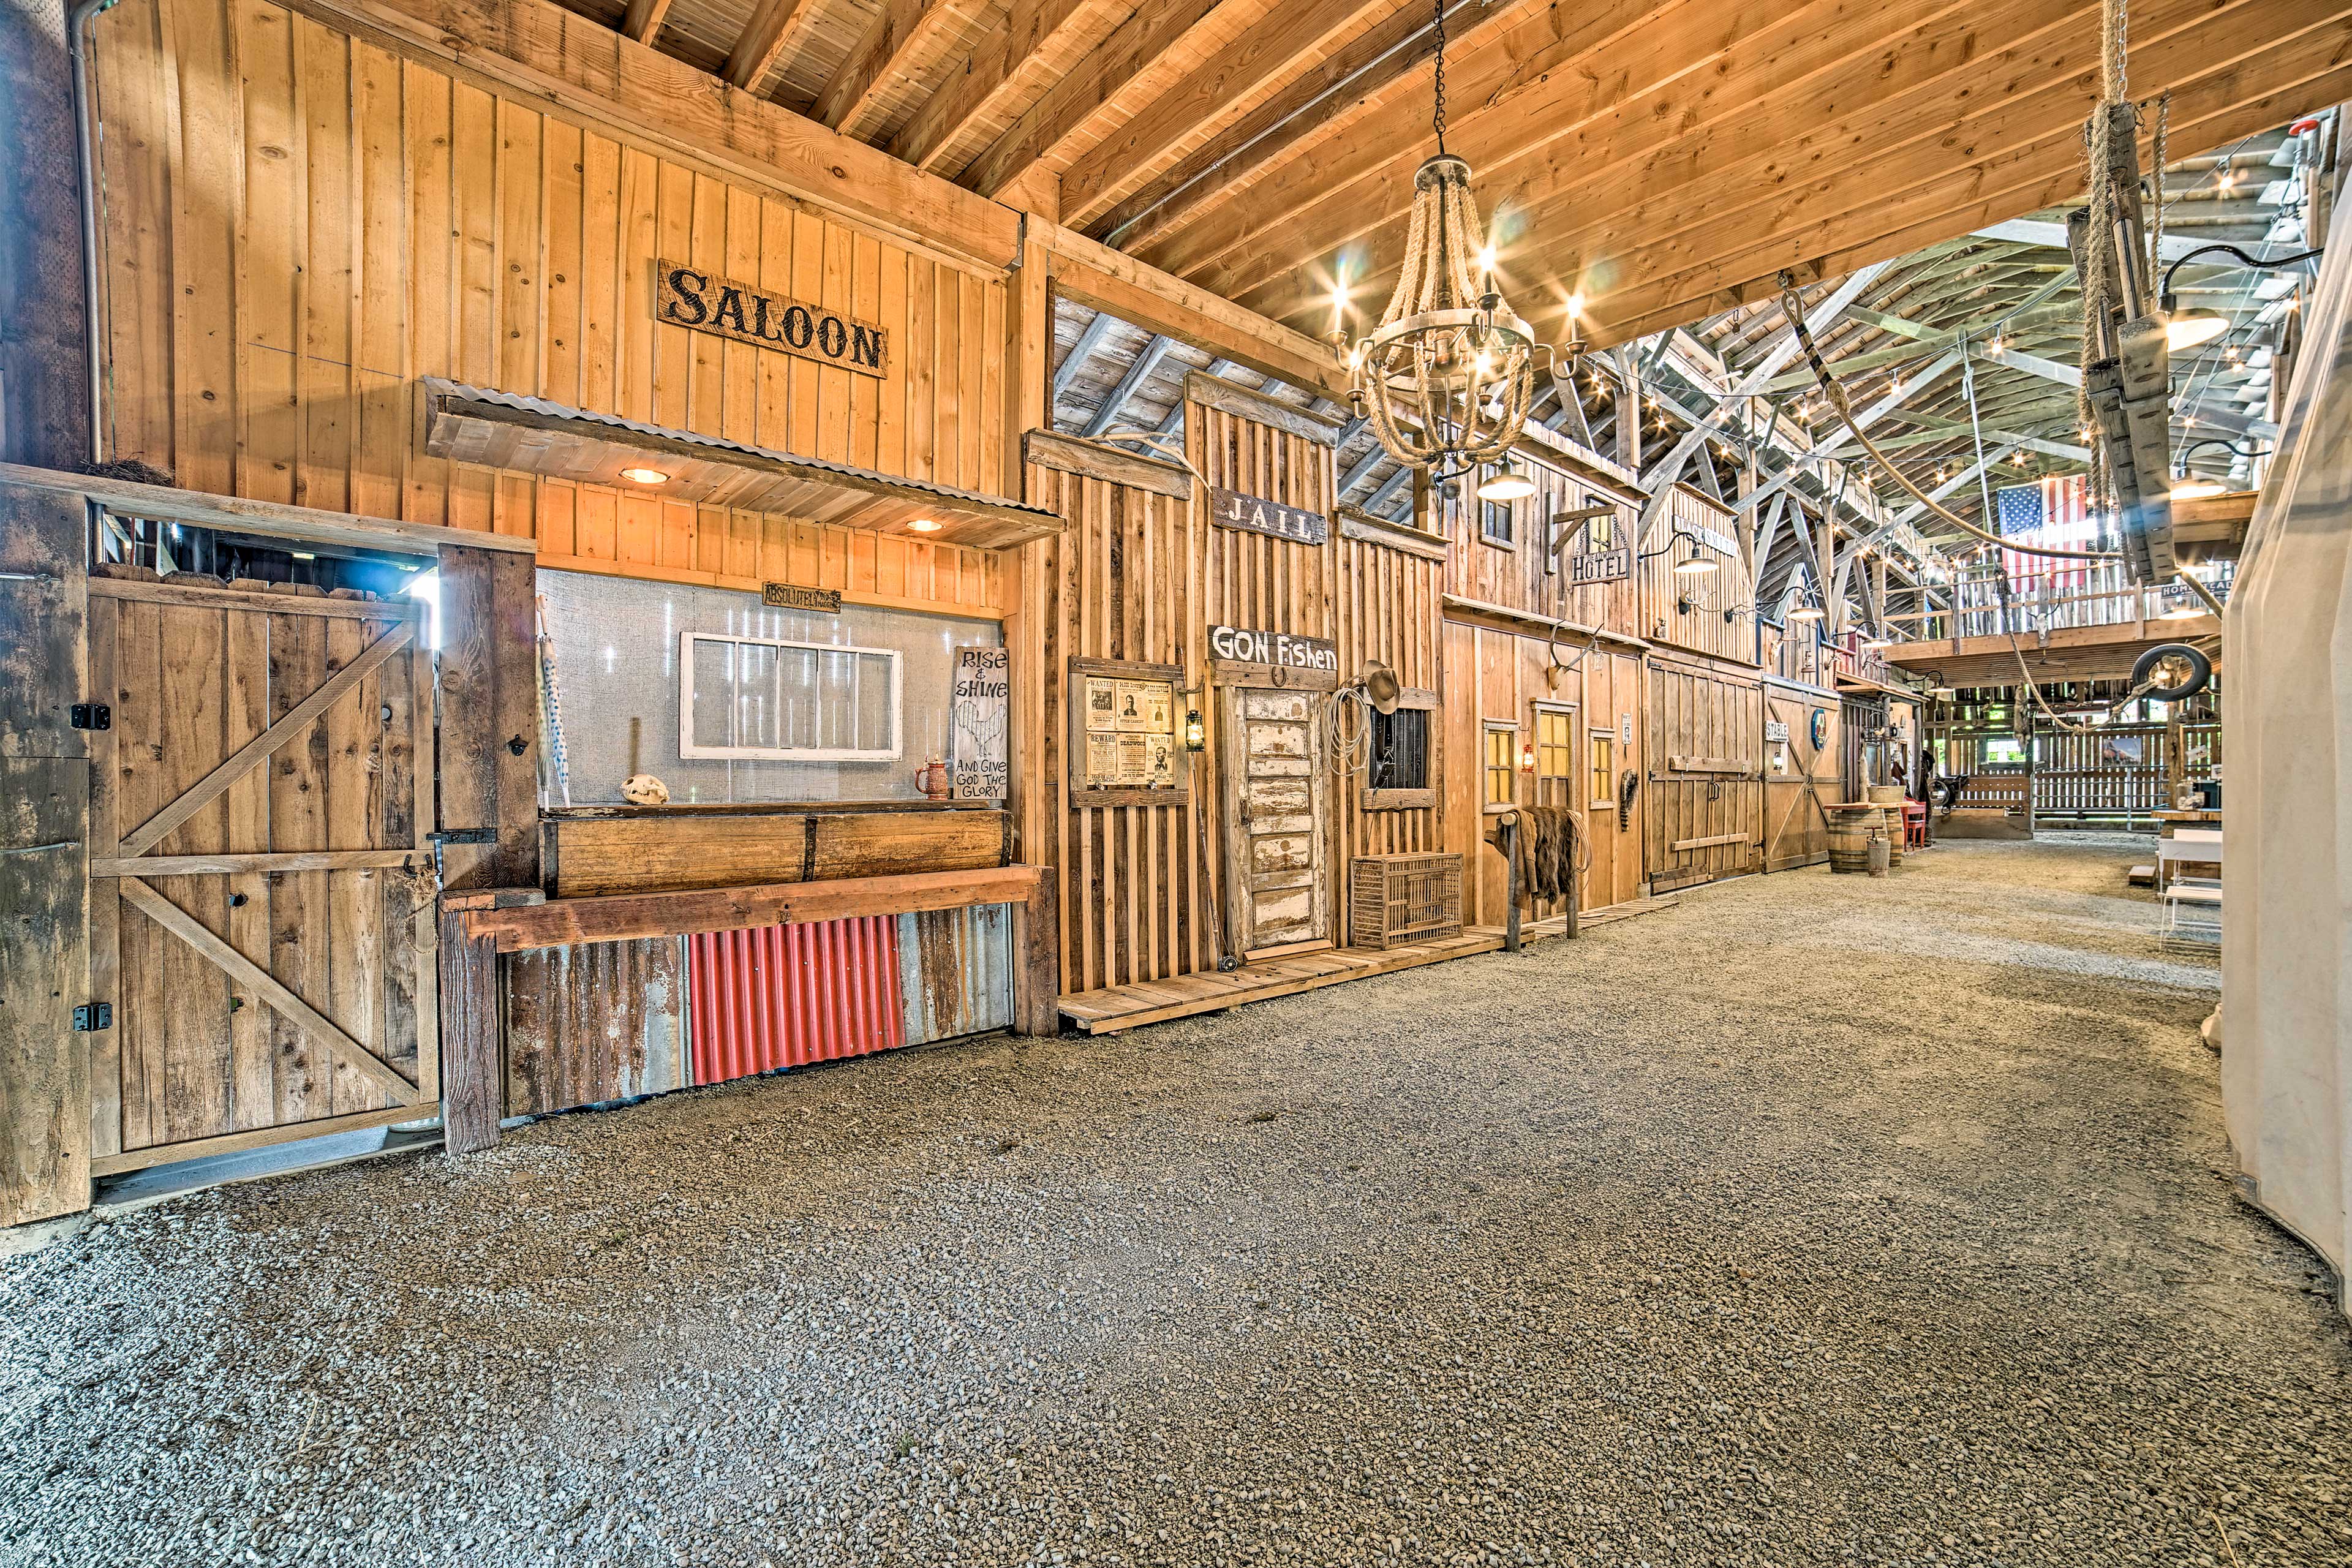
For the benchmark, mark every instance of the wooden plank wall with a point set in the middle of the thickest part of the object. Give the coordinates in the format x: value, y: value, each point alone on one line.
x: 1495, y: 673
x: 300, y: 224
x: 1140, y: 576
x: 1125, y: 580
x: 1699, y: 709
x: 1520, y: 578
x: 1701, y: 629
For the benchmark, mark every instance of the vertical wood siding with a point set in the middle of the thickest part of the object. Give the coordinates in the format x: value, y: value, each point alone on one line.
x: 298, y: 225
x: 1729, y: 586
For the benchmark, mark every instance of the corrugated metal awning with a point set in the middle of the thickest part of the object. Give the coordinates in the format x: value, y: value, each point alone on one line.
x: 505, y: 430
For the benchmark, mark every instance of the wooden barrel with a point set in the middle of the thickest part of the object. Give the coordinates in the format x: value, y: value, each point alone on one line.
x: 1850, y: 829
x: 1888, y: 799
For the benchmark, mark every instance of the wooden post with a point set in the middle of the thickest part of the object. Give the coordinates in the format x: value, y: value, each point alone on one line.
x: 471, y: 1071
x: 1510, y: 848
x: 1036, y: 948
x: 489, y: 718
x: 45, y: 1063
x: 45, y: 394
x: 1569, y: 930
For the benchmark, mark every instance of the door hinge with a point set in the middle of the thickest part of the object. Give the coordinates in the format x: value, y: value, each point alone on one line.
x: 92, y: 1017
x: 465, y: 836
x: 92, y: 716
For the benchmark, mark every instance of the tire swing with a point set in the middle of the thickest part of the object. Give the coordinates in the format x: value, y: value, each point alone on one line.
x: 2171, y: 672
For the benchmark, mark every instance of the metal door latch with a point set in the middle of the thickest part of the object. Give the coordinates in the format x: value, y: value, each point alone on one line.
x: 465, y: 836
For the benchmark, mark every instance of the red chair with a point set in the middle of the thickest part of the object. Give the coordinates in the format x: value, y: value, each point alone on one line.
x: 1915, y: 825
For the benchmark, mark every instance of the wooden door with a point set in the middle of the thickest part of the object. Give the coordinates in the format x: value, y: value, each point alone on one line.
x: 1706, y: 782
x: 262, y: 918
x: 1276, y: 872
x: 1801, y: 776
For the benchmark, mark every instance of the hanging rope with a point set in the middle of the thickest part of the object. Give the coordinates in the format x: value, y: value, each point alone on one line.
x: 1838, y: 401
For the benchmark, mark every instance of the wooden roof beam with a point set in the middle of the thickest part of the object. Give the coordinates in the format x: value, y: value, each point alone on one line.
x: 900, y: 36
x: 644, y: 18
x: 1132, y: 64
x: 989, y: 74
x: 1378, y: 62
x: 1146, y: 363
x: 1218, y: 91
x: 772, y: 26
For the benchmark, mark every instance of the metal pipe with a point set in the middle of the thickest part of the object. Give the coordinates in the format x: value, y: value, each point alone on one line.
x: 78, y: 20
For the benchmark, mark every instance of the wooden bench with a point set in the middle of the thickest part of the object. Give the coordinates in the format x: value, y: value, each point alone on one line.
x: 1990, y: 806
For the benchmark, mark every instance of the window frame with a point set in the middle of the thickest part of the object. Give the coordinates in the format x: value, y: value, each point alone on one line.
x: 1567, y: 713
x: 1601, y: 765
x: 1488, y: 730
x: 1509, y: 508
x: 1425, y: 702
x: 687, y: 750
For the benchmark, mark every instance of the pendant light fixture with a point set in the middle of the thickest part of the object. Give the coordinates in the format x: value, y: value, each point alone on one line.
x: 1694, y: 565
x: 1448, y: 377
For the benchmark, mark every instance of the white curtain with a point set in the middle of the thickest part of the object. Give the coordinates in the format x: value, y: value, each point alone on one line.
x: 2286, y: 727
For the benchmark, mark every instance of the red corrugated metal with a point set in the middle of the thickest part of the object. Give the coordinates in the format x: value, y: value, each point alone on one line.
x: 786, y: 995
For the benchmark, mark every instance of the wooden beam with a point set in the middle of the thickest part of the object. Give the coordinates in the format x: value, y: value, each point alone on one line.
x: 273, y: 519
x: 1140, y: 371
x: 473, y: 1077
x: 642, y: 22
x: 1143, y: 296
x: 1005, y: 58
x: 563, y: 922
x: 490, y: 718
x: 900, y: 36
x: 1135, y: 63
x: 541, y: 52
x: 1250, y: 67
x: 1036, y: 958
x: 772, y: 26
x: 1089, y: 339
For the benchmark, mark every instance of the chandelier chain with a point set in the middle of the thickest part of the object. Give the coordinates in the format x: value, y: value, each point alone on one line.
x: 1438, y: 116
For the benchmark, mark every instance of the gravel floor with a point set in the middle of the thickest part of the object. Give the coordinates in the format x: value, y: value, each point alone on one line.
x: 1817, y: 1220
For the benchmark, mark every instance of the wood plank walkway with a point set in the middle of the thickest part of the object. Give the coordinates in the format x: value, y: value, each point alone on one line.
x: 1115, y: 1007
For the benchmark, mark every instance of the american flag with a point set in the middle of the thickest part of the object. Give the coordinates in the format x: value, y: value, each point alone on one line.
x: 2054, y: 512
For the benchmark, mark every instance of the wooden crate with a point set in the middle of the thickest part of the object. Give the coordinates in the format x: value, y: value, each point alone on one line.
x: 1399, y: 900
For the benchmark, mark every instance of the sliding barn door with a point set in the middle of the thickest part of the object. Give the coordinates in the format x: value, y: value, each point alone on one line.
x: 1800, y: 776
x: 261, y: 907
x: 1706, y: 808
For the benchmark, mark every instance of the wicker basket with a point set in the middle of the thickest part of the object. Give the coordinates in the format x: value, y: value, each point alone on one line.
x: 1399, y: 900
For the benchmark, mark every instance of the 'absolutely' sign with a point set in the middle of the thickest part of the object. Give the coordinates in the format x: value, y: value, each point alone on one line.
x: 1231, y: 509
x: 707, y: 302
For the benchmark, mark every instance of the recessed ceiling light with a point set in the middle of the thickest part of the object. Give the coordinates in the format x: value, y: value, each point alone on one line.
x: 304, y: 554
x: 924, y: 525
x: 644, y: 476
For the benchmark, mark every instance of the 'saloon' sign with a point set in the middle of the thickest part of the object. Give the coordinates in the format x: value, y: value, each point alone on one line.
x: 689, y: 296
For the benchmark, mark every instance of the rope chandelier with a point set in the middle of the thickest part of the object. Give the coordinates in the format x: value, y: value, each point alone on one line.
x: 1448, y: 377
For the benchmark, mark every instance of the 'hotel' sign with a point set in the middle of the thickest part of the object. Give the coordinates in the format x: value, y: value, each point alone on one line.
x: 1231, y: 509
x: 687, y: 296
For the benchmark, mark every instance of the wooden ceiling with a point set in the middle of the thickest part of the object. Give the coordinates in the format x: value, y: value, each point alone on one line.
x: 1664, y: 158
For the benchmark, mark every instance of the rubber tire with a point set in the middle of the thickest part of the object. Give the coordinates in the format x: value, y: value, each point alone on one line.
x: 2201, y: 670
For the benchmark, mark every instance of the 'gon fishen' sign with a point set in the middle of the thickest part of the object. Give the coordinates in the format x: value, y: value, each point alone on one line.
x: 687, y: 296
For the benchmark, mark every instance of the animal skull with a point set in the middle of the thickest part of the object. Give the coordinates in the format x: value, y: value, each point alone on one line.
x: 644, y: 789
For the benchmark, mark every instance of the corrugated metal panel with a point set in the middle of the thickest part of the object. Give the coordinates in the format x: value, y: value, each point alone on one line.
x: 955, y: 969
x: 585, y: 1024
x: 786, y: 995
